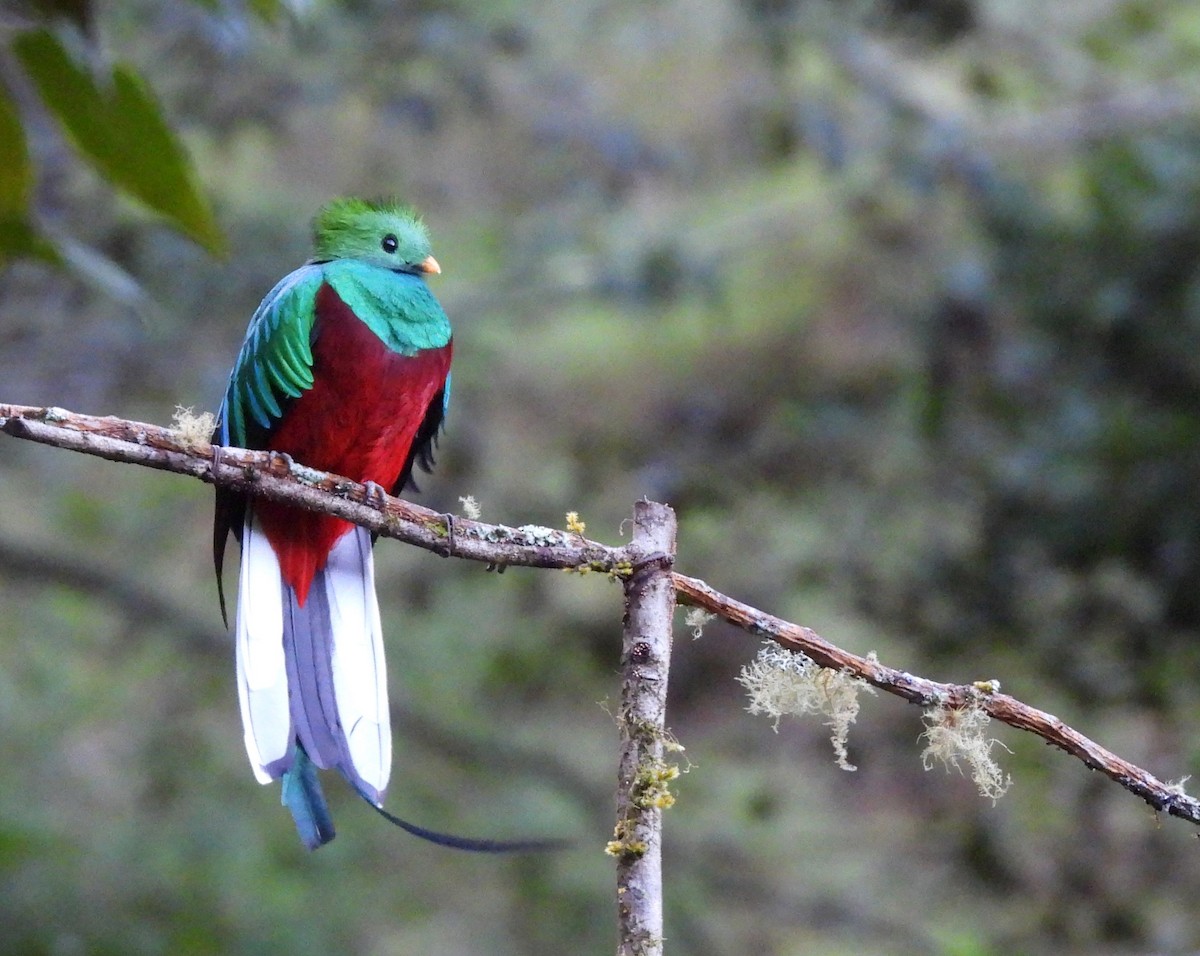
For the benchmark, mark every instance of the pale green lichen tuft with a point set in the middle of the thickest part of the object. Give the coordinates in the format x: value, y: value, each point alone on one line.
x: 575, y: 524
x: 957, y: 735
x: 626, y: 848
x: 696, y: 618
x: 616, y: 572
x: 652, y: 785
x: 624, y: 845
x: 673, y: 746
x: 1175, y: 787
x: 620, y: 570
x: 194, y: 429
x: 470, y: 507
x: 781, y: 682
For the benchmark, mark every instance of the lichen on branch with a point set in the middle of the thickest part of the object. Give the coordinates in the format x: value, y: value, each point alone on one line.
x: 958, y: 735
x: 782, y: 683
x: 261, y: 473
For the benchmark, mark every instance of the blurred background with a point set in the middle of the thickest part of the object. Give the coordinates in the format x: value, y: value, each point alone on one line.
x: 897, y: 303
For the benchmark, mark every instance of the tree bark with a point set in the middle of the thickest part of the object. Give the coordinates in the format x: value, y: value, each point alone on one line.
x: 642, y: 794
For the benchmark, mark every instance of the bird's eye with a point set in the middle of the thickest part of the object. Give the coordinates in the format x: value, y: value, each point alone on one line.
x: 389, y: 244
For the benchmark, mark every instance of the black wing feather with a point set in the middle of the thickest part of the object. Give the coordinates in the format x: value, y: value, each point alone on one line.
x: 424, y: 444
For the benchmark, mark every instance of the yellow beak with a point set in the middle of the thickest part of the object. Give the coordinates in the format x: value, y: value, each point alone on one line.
x: 430, y: 264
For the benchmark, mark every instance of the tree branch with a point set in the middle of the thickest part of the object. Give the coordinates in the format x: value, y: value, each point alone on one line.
x: 643, y: 776
x: 276, y: 477
x: 273, y: 476
x: 1164, y: 797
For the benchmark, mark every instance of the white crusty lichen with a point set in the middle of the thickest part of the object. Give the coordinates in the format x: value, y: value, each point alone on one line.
x: 958, y: 735
x: 538, y: 536
x: 781, y: 682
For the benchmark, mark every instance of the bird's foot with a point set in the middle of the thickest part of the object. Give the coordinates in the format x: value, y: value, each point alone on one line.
x: 449, y: 519
x: 376, y: 494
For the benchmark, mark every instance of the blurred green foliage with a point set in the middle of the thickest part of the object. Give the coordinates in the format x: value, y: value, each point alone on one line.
x: 122, y: 135
x: 16, y: 182
x: 113, y: 122
x: 896, y: 303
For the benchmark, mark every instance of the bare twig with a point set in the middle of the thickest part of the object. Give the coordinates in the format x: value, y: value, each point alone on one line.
x: 273, y: 476
x: 643, y: 775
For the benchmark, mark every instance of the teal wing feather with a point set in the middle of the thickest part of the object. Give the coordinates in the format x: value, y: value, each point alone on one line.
x: 273, y: 365
x: 275, y: 361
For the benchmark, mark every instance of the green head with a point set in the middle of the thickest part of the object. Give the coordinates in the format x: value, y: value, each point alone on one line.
x: 384, y: 233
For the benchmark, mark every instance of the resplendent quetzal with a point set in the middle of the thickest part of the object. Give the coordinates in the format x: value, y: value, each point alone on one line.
x: 346, y: 368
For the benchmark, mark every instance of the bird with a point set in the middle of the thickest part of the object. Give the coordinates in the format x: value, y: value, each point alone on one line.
x: 345, y: 367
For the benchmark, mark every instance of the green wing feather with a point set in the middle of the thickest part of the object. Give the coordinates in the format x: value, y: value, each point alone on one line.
x: 274, y: 364
x: 275, y: 361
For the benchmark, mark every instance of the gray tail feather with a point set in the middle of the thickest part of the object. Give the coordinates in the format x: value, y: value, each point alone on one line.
x: 308, y: 653
x: 321, y: 741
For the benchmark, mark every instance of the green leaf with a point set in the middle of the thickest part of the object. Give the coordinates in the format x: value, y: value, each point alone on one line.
x: 271, y: 11
x: 18, y: 238
x: 267, y: 10
x: 121, y: 131
x: 16, y: 174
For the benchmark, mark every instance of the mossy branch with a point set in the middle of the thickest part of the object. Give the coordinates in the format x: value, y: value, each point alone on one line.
x: 642, y: 795
x: 949, y: 698
x: 273, y: 476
